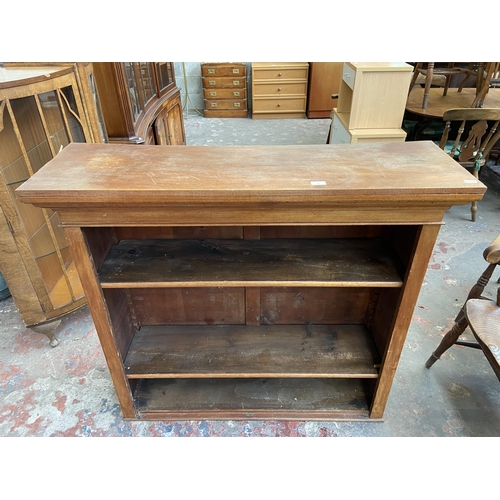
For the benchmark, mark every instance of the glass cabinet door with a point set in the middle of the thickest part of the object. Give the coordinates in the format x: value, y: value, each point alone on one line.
x: 165, y: 74
x: 33, y: 131
x: 147, y: 81
x: 131, y: 82
x: 97, y: 104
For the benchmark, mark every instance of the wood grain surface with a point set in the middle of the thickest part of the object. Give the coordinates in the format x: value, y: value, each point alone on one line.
x: 87, y: 175
x: 253, y: 351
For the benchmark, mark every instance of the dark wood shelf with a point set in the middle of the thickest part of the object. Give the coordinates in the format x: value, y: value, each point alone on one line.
x: 273, y: 262
x: 275, y: 399
x: 292, y: 351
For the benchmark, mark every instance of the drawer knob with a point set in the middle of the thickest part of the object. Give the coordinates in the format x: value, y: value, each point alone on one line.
x: 347, y: 75
x: 279, y: 88
x: 279, y: 74
x: 279, y: 105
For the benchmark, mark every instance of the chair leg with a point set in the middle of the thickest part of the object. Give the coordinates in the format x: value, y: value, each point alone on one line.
x: 446, y: 85
x: 448, y: 340
x: 416, y: 72
x: 473, y: 206
x: 428, y: 80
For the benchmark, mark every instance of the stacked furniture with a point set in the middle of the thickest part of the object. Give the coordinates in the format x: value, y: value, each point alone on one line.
x: 279, y: 89
x: 43, y: 108
x: 252, y: 282
x: 225, y: 90
x: 371, y: 103
x: 141, y: 102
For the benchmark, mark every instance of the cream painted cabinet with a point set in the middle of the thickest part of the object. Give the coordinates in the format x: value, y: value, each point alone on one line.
x: 371, y: 104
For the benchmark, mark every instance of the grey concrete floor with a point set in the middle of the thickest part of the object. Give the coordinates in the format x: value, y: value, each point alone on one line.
x: 67, y: 390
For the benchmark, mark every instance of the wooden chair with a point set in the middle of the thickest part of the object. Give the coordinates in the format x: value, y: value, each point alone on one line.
x: 483, y: 72
x: 473, y: 151
x: 481, y: 314
x: 430, y: 72
x: 483, y: 317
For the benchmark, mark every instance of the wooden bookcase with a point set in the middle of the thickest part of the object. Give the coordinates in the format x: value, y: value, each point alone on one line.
x: 252, y: 282
x: 371, y: 103
x: 43, y: 108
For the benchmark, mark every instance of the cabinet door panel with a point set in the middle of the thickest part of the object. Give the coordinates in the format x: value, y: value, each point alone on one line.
x: 175, y: 126
x: 169, y: 128
x: 340, y: 135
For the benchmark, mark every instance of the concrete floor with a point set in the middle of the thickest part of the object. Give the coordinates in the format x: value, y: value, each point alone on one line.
x: 67, y: 390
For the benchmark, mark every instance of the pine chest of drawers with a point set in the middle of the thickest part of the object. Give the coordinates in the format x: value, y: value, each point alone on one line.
x: 279, y: 90
x: 224, y: 90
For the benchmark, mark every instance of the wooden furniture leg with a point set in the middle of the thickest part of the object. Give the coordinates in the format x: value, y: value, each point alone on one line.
x: 49, y: 330
x: 428, y: 81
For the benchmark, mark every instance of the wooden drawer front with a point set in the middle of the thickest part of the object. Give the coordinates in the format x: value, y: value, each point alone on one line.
x: 237, y: 70
x: 348, y: 75
x: 226, y: 104
x: 276, y: 105
x: 224, y: 94
x: 279, y: 74
x: 224, y: 83
x: 340, y: 135
x: 298, y: 88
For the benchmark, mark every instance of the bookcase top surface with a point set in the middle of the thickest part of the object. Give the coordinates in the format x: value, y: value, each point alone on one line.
x: 99, y: 174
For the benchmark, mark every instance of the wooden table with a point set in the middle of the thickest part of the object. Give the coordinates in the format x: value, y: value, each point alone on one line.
x: 257, y: 282
x: 439, y: 104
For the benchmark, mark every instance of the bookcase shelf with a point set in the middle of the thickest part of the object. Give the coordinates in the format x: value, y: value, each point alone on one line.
x: 272, y: 262
x: 241, y: 351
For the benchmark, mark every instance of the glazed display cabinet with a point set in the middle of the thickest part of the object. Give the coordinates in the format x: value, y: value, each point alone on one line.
x: 141, y: 102
x: 42, y: 110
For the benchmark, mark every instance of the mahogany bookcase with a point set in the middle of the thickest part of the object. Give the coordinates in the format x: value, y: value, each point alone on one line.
x: 257, y: 282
